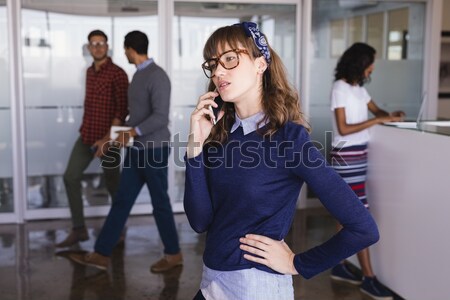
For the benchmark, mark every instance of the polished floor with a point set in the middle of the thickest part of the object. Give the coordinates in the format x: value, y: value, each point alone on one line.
x: 31, y: 268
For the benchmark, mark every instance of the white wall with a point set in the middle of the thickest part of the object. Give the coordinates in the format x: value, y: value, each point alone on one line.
x: 410, y: 206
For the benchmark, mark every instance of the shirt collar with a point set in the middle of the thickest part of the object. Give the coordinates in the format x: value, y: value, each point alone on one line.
x: 249, y: 124
x: 144, y: 64
x: 103, y: 65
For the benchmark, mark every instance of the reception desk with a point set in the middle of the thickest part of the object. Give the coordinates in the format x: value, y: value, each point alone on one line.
x: 409, y: 192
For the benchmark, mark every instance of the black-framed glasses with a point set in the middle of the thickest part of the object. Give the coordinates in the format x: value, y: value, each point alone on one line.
x: 229, y: 60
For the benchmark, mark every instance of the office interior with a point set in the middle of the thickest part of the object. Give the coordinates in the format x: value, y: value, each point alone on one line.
x: 43, y: 58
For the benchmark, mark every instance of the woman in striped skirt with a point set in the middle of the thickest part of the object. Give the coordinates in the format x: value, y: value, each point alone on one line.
x: 350, y: 103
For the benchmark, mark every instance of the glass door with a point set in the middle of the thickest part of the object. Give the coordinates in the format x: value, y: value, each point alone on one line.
x: 192, y: 24
x: 55, y: 59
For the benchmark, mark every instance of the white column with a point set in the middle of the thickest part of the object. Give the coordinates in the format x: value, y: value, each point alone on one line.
x: 17, y: 110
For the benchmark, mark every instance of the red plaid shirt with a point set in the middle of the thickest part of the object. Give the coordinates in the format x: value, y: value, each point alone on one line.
x: 105, y: 100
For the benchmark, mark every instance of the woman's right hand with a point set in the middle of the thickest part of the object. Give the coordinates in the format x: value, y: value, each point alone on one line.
x: 201, y: 125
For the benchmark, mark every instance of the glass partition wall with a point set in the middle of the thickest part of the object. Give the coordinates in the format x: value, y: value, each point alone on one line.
x: 6, y: 170
x: 55, y: 59
x: 309, y: 35
x: 193, y: 22
x: 395, y: 29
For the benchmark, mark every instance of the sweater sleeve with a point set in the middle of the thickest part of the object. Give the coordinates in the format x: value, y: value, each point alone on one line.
x: 158, y: 90
x: 121, y: 95
x: 197, y: 200
x: 359, y: 228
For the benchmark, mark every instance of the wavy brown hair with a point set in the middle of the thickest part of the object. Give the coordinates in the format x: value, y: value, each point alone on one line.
x: 280, y: 101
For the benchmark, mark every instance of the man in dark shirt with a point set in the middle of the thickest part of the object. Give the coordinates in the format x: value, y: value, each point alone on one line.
x: 105, y: 104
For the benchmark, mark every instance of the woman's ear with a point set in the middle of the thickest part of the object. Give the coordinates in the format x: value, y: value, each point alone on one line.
x: 261, y: 64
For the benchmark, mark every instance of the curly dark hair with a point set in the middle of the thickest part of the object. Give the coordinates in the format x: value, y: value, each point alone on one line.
x: 354, y: 62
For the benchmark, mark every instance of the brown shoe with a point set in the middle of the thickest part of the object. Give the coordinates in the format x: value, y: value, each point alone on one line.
x: 167, y: 262
x: 75, y: 236
x: 92, y: 259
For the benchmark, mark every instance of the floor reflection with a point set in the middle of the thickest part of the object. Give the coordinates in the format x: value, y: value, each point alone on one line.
x: 6, y: 195
x: 88, y: 281
x: 31, y: 269
x: 96, y: 284
x: 171, y: 284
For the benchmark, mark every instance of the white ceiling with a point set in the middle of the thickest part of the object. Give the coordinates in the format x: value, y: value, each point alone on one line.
x: 150, y: 7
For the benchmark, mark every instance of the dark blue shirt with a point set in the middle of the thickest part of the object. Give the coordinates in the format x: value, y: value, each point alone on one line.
x: 251, y: 185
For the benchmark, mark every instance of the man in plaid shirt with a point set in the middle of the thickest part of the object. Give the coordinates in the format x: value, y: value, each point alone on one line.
x: 105, y: 104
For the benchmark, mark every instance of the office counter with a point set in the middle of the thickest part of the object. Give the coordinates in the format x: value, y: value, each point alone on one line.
x: 409, y: 193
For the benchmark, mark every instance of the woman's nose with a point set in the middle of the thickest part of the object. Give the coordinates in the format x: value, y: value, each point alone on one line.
x: 220, y: 70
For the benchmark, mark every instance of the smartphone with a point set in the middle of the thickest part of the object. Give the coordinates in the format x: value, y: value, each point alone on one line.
x: 217, y: 109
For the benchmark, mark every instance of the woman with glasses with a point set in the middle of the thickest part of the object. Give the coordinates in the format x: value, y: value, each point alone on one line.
x: 245, y: 167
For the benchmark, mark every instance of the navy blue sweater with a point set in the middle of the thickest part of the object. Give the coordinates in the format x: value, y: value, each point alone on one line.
x: 251, y: 185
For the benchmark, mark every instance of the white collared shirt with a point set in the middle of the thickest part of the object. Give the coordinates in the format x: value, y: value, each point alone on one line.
x: 249, y: 124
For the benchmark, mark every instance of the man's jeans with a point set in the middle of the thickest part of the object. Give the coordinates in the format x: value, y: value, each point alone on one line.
x: 141, y: 166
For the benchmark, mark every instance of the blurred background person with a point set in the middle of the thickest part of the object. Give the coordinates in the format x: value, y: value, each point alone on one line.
x: 105, y: 104
x: 146, y: 162
x: 350, y: 103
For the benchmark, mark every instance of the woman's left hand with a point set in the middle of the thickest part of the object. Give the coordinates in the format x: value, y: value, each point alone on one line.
x: 272, y: 253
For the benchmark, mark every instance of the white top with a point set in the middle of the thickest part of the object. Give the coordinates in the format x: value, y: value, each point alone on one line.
x: 354, y: 99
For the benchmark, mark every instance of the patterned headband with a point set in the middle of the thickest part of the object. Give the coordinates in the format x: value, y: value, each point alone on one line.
x: 251, y: 30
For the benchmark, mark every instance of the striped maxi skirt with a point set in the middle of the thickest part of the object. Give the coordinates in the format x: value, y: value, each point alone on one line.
x: 351, y: 164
